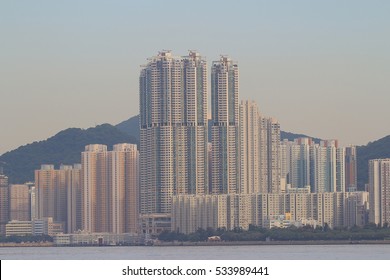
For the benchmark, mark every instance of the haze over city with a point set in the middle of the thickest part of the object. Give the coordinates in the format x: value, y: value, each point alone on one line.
x: 320, y: 68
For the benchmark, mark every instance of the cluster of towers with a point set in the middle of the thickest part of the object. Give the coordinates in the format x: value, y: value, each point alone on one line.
x: 177, y: 153
x: 236, y: 161
x: 98, y: 195
x: 184, y: 157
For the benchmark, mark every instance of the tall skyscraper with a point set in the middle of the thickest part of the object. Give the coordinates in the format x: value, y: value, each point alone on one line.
x: 327, y: 167
x: 351, y: 169
x: 123, y: 188
x: 274, y: 160
x: 74, y: 198
x: 95, y: 188
x: 173, y: 129
x: 254, y: 147
x: 110, y: 188
x: 46, y: 190
x: 4, y: 203
x: 379, y: 191
x: 58, y: 195
x: 299, y: 162
x: 263, y: 153
x: 225, y: 127
x: 249, y: 147
x: 19, y: 200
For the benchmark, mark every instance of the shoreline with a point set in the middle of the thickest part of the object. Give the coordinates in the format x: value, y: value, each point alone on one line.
x: 290, y: 242
x: 221, y: 243
x: 27, y: 244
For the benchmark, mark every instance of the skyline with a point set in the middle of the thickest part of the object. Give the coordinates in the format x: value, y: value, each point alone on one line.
x: 85, y: 58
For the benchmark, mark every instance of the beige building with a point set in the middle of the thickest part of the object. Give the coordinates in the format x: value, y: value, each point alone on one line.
x: 95, y: 188
x: 225, y: 126
x: 173, y: 129
x: 241, y: 210
x: 250, y: 147
x: 350, y: 169
x: 19, y: 228
x: 44, y: 226
x: 19, y: 203
x: 4, y: 203
x: 274, y: 158
x: 379, y: 189
x: 110, y: 189
x: 123, y: 182
x: 356, y: 209
x: 154, y: 224
x: 260, y: 161
x: 73, y: 197
x: 57, y: 192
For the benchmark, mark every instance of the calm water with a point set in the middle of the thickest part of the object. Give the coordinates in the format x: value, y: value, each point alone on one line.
x: 261, y: 252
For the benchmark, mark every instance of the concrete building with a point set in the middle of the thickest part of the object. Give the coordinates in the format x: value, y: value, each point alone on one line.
x: 328, y: 167
x: 298, y: 162
x: 110, y: 189
x: 173, y: 130
x: 33, y: 200
x: 379, y: 190
x: 44, y: 226
x: 320, y: 166
x: 274, y: 159
x: 74, y: 198
x: 19, y: 203
x: 351, y: 169
x: 95, y: 188
x: 58, y: 195
x: 260, y: 152
x: 4, y: 203
x: 123, y: 180
x: 356, y: 209
x: 153, y: 224
x: 97, y: 239
x: 241, y: 210
x: 18, y: 228
x: 250, y: 147
x: 225, y: 127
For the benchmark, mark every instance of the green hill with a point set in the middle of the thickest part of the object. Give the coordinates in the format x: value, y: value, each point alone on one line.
x: 373, y: 150
x: 130, y: 127
x: 64, y: 147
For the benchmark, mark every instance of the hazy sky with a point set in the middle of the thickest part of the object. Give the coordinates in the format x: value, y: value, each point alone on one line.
x: 321, y: 68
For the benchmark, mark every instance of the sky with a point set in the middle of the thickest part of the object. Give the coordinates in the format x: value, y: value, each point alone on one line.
x: 322, y: 68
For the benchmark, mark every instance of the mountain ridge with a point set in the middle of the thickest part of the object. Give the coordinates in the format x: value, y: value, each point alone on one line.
x: 64, y: 147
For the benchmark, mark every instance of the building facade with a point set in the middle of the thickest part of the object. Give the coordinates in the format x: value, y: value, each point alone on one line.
x: 57, y: 194
x: 379, y: 189
x: 4, y: 203
x: 19, y: 203
x: 225, y: 127
x: 123, y: 181
x: 350, y: 169
x: 110, y: 189
x: 274, y: 158
x: 173, y: 130
x: 95, y: 188
x: 250, y: 147
x: 230, y: 211
x: 74, y: 198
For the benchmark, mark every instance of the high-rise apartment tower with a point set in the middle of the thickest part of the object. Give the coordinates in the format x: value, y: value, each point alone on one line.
x: 225, y: 126
x: 173, y: 129
x: 379, y: 191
